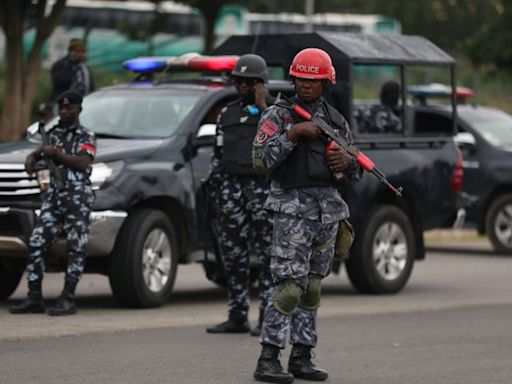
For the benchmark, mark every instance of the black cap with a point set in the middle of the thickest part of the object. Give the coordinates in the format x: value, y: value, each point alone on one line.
x: 76, y: 44
x: 69, y: 98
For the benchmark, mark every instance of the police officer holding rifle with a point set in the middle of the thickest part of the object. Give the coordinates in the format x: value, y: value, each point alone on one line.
x: 307, y: 208
x: 66, y: 205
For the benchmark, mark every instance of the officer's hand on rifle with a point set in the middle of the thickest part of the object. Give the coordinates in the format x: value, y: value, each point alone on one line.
x: 47, y: 151
x: 260, y: 96
x: 307, y: 130
x: 30, y: 164
x: 338, y: 159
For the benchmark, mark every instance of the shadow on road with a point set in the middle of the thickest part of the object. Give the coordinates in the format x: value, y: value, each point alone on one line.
x: 197, y: 296
x: 465, y: 251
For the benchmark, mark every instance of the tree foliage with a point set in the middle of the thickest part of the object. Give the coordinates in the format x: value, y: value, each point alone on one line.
x: 492, y: 44
x: 482, y: 28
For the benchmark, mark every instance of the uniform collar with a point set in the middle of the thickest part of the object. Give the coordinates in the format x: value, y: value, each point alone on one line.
x: 310, y: 106
x: 73, y: 127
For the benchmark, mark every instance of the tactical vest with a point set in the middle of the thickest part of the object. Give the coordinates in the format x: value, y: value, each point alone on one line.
x: 305, y: 166
x: 239, y: 128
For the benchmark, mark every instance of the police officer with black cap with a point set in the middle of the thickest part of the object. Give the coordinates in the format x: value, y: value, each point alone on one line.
x: 238, y: 192
x: 66, y: 205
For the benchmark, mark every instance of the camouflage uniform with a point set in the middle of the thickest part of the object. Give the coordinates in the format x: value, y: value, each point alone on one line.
x: 305, y: 225
x: 241, y: 223
x: 66, y: 209
x: 378, y: 119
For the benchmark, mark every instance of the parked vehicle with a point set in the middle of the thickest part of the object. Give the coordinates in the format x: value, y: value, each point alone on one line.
x: 155, y: 139
x: 485, y: 139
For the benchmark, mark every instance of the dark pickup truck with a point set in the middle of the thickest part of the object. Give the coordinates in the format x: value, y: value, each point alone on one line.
x: 485, y: 138
x: 154, y: 144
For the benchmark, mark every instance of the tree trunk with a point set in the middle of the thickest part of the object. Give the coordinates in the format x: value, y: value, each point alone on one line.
x: 209, y: 34
x: 13, y: 108
x: 210, y: 11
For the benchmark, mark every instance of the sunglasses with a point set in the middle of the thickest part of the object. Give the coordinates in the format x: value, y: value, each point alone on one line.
x: 241, y: 80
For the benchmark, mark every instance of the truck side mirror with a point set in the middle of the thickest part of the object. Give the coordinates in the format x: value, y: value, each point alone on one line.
x: 466, y: 142
x: 205, y: 135
x: 32, y: 133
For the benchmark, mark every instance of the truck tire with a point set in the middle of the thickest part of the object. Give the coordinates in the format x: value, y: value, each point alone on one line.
x: 144, y: 263
x: 383, y: 253
x: 9, y: 281
x: 498, y: 224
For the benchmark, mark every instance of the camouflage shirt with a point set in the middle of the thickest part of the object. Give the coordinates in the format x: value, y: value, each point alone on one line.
x: 271, y: 147
x: 75, y: 140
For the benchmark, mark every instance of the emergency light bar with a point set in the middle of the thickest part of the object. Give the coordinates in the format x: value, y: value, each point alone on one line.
x: 188, y: 61
x: 438, y: 90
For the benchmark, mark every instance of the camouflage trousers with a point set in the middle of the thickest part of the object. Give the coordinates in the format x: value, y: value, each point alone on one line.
x: 61, y: 211
x: 244, y: 227
x: 300, y: 248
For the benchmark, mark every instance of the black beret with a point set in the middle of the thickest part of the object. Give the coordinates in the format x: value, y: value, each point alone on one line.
x: 76, y: 44
x: 69, y: 98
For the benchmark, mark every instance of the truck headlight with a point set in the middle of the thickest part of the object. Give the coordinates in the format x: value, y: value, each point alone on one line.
x: 105, y: 172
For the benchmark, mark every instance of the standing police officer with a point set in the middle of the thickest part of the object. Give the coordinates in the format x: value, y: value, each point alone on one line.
x: 71, y: 72
x: 238, y: 192
x: 383, y: 117
x: 307, y: 207
x: 66, y: 205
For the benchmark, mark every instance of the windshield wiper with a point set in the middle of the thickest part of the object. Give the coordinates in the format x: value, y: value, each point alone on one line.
x: 104, y: 135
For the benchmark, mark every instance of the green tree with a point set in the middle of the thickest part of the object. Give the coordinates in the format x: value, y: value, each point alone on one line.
x: 492, y: 44
x: 21, y: 74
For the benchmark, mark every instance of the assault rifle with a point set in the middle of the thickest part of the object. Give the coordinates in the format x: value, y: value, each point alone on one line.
x: 54, y: 169
x: 363, y: 161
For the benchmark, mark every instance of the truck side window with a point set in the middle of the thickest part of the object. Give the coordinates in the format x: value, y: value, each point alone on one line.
x: 428, y: 122
x: 213, y: 113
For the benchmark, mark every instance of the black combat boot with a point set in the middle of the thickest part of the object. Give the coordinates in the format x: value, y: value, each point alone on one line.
x: 269, y: 367
x: 256, y: 331
x: 301, y: 366
x: 234, y: 324
x: 65, y: 304
x: 33, y: 303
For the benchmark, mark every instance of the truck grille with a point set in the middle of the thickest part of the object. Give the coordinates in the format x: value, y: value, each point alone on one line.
x: 14, y: 181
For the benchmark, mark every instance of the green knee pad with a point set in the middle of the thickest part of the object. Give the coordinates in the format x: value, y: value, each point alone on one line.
x: 310, y: 300
x: 286, y: 297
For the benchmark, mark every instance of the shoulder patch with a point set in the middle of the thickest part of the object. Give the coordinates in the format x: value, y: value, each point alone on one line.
x: 261, y: 137
x: 269, y: 127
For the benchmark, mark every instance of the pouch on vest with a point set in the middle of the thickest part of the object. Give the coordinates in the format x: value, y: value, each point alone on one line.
x: 344, y: 240
x: 315, y: 161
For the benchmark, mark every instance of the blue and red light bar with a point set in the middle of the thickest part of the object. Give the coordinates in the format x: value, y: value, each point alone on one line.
x: 190, y: 61
x: 438, y: 90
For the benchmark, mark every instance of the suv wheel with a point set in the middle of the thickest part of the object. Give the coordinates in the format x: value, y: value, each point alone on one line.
x: 383, y: 255
x: 144, y: 263
x: 498, y: 224
x: 9, y: 281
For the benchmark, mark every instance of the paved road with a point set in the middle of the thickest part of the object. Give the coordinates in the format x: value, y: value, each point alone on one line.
x: 450, y: 325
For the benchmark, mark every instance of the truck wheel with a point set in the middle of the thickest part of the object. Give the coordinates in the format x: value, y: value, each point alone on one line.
x: 498, y: 224
x: 383, y: 254
x: 144, y: 262
x: 9, y: 281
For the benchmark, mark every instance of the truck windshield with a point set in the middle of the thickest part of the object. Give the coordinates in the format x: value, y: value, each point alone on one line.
x: 494, y: 126
x: 137, y: 113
